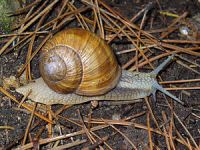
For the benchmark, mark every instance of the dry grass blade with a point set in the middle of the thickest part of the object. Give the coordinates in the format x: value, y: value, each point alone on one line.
x: 23, y: 34
x: 48, y: 140
x: 102, y: 141
x: 99, y: 121
x: 179, y: 81
x: 97, y: 144
x: 151, y: 112
x: 28, y: 24
x: 107, y: 15
x: 23, y: 42
x: 29, y: 56
x: 131, y: 20
x: 149, y: 132
x: 165, y: 131
x: 182, y: 41
x: 172, y: 126
x: 189, y: 144
x: 178, y: 49
x: 30, y: 16
x: 26, y: 8
x: 30, y: 108
x: 23, y: 99
x: 35, y: 125
x: 7, y: 127
x: 49, y: 124
x: 171, y: 140
x: 188, y: 67
x: 132, y: 41
x: 29, y: 124
x: 102, y: 34
x: 180, y: 136
x: 132, y: 50
x: 197, y: 116
x: 184, y: 127
x: 33, y: 55
x: 78, y: 16
x: 130, y: 142
x: 150, y: 60
x: 170, y: 29
x: 91, y: 138
x: 135, y: 125
x: 30, y: 48
x: 70, y: 145
x: 183, y: 88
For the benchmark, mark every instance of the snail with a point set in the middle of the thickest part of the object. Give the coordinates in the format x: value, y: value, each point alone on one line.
x: 77, y: 66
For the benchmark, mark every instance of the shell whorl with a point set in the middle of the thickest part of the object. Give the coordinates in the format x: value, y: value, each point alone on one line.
x: 61, y: 69
x: 76, y: 60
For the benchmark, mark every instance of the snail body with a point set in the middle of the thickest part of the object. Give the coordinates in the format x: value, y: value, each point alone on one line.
x: 131, y: 86
x: 77, y: 66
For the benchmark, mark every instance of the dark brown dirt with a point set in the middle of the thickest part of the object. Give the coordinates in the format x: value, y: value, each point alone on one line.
x: 18, y: 118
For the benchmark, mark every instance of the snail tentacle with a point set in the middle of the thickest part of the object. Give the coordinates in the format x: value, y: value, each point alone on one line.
x: 156, y: 86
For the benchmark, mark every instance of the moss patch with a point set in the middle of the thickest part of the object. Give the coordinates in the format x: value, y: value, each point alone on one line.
x: 7, y: 6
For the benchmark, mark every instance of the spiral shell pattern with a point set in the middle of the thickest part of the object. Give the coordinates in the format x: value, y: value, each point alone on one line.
x: 76, y: 60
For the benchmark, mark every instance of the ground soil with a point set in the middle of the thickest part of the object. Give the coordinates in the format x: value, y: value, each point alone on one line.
x: 18, y: 118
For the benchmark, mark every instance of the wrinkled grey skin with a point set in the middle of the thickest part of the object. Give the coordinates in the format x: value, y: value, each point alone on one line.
x: 131, y: 86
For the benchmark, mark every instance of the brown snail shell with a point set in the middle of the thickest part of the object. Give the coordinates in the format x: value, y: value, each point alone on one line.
x: 76, y: 60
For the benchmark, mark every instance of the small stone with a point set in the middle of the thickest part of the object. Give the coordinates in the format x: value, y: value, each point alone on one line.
x: 116, y: 116
x: 10, y: 82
